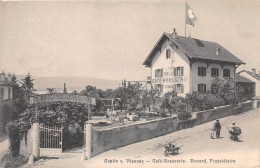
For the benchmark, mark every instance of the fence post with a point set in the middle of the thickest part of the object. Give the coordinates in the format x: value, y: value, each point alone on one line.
x: 255, y: 104
x: 36, y: 140
x: 88, y: 140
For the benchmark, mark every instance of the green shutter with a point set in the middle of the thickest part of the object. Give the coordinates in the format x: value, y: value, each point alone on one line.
x: 174, y: 71
x: 182, y: 88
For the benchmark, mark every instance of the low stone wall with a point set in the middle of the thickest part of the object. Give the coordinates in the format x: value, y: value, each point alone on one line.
x: 246, y: 106
x: 106, y: 139
x: 258, y: 103
x: 111, y: 138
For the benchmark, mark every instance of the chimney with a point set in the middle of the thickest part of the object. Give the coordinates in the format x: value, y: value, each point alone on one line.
x: 218, y: 51
x: 9, y: 77
x: 174, y: 34
x: 2, y: 76
x: 254, y: 71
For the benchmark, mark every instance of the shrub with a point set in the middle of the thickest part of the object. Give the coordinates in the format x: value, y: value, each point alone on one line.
x: 7, y: 160
x: 72, y: 136
x: 163, y: 114
x: 210, y: 101
x: 12, y: 129
x: 184, y: 116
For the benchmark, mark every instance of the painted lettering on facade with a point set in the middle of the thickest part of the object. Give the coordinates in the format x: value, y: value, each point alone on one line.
x: 62, y: 97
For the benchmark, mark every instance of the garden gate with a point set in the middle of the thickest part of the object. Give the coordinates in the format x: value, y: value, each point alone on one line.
x: 50, y: 141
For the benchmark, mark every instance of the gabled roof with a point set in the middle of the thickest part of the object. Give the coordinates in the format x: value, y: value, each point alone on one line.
x: 257, y: 76
x: 195, y: 49
x: 242, y: 79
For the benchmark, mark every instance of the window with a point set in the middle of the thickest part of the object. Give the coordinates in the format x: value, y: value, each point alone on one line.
x: 168, y: 53
x: 158, y: 73
x: 9, y: 93
x: 214, y: 72
x: 178, y: 71
x: 159, y: 87
x: 179, y: 88
x: 226, y: 73
x: 202, y: 88
x: 202, y: 71
x: 2, y: 93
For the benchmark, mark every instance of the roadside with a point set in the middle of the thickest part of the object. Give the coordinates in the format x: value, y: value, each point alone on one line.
x: 196, y: 143
x: 3, y: 144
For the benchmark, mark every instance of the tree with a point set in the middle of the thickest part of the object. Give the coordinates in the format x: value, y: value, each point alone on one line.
x: 173, y: 103
x: 27, y: 86
x: 51, y: 90
x: 21, y: 96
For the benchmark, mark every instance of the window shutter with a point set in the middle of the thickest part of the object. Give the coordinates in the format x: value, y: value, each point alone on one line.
x: 204, y: 87
x: 161, y: 73
x: 174, y: 71
x: 181, y: 71
x: 174, y: 87
x: 182, y: 88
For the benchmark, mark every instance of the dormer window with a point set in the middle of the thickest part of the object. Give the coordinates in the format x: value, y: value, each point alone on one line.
x: 168, y: 53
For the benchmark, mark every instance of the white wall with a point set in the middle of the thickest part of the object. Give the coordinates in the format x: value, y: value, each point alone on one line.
x: 208, y: 79
x: 178, y: 59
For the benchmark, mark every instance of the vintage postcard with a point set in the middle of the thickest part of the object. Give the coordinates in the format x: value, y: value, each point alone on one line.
x: 145, y: 83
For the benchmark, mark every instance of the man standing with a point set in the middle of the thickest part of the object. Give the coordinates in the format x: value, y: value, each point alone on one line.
x: 217, y: 127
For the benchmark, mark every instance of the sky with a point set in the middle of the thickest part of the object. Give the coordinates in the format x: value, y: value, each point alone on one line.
x: 110, y: 40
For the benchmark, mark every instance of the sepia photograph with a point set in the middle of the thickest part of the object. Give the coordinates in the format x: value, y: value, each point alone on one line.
x: 129, y: 84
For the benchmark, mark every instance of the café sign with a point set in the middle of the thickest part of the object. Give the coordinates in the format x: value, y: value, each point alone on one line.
x: 178, y: 79
x: 62, y: 97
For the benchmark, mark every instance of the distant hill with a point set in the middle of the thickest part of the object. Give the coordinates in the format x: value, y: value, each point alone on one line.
x: 72, y: 83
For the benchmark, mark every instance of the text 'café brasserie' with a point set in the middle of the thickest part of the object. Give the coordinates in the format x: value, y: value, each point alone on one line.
x: 62, y: 97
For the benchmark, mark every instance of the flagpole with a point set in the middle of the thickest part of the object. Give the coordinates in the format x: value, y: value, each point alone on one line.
x: 185, y: 16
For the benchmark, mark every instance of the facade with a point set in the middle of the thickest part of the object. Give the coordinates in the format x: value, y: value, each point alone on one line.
x: 185, y: 64
x: 6, y: 99
x: 253, y: 76
x: 245, y: 86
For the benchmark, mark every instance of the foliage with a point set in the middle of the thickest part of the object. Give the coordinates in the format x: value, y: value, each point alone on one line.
x: 4, y: 117
x: 173, y: 103
x: 12, y: 129
x: 193, y: 101
x: 184, y: 116
x: 163, y: 114
x: 72, y: 136
x: 8, y: 161
x: 51, y: 90
x: 209, y: 101
x: 226, y: 89
x: 150, y: 98
x: 27, y: 86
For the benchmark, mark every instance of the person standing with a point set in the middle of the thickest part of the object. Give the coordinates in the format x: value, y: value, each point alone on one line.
x: 217, y: 127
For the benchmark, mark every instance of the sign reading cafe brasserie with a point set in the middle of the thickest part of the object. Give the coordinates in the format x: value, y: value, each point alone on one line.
x: 62, y: 97
x: 178, y: 79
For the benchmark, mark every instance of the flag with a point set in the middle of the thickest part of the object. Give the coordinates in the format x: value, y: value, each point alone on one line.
x: 190, y: 17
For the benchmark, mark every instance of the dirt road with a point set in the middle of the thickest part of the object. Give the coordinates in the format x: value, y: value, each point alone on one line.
x: 198, y: 149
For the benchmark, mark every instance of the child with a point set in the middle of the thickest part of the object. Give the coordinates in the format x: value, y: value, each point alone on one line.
x: 212, y: 133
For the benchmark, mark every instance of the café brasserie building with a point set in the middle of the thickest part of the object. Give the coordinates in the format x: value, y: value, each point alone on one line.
x: 186, y: 64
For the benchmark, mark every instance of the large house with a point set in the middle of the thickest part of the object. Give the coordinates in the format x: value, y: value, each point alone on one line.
x: 255, y: 77
x: 186, y: 64
x: 6, y: 99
